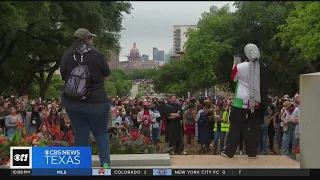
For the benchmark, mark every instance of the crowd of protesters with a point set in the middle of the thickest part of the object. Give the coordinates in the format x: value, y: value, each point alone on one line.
x: 37, y: 116
x: 204, y: 121
x: 184, y: 123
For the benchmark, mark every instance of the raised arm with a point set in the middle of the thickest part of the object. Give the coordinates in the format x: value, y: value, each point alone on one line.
x: 234, y: 74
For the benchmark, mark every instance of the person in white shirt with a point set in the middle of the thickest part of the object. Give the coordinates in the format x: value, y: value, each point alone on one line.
x: 289, y: 119
x: 155, y: 126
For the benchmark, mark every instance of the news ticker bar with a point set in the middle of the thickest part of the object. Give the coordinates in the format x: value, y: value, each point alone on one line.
x: 161, y: 172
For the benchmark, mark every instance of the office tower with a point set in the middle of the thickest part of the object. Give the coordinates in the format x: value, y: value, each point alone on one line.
x: 166, y: 57
x: 159, y: 55
x: 144, y: 57
x: 180, y: 36
x: 114, y: 62
x: 154, y: 50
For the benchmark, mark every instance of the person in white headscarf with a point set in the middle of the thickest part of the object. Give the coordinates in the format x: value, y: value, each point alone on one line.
x: 250, y: 103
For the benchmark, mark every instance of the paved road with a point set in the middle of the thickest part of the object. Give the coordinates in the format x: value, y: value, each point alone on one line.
x: 134, y: 91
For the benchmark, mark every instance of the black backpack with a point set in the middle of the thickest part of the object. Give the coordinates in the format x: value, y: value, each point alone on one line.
x: 76, y: 86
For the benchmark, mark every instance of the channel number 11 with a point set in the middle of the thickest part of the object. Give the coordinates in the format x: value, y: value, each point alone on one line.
x: 21, y: 157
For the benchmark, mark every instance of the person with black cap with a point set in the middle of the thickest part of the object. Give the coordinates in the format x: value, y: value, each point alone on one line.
x: 84, y: 98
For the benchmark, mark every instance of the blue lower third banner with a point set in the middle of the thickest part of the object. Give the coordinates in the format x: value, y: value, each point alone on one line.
x: 61, y: 172
x: 61, y: 158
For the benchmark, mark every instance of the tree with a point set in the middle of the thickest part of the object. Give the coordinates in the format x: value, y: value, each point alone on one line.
x: 117, y: 74
x: 33, y: 45
x: 206, y: 45
x: 221, y: 34
x: 258, y: 23
x: 143, y: 74
x: 110, y: 88
x: 118, y: 83
x: 172, y: 78
x: 301, y: 32
x: 138, y: 96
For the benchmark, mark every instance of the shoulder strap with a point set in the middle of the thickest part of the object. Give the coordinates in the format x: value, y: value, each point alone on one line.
x: 81, y: 55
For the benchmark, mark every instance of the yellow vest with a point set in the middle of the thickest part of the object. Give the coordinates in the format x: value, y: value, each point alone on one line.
x: 224, y: 124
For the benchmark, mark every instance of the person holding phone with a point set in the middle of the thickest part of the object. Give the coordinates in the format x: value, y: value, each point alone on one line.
x: 34, y: 120
x: 238, y: 59
x: 250, y: 104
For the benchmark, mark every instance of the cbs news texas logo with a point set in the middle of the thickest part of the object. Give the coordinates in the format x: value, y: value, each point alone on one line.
x: 50, y: 157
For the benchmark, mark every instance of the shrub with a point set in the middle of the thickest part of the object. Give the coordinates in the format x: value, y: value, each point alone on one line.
x: 58, y: 138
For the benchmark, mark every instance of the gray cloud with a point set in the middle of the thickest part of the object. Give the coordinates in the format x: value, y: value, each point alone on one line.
x: 151, y: 23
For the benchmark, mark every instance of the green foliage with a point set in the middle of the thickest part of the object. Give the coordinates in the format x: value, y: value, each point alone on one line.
x: 34, y: 36
x: 138, y: 96
x: 172, y: 78
x: 301, y: 32
x: 118, y: 83
x: 110, y: 88
x: 287, y: 34
x: 207, y: 44
x: 21, y: 139
x: 143, y: 74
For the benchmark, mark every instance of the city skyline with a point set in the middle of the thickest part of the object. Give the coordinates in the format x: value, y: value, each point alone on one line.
x: 148, y: 26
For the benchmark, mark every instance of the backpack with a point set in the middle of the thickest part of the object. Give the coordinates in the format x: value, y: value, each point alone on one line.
x: 76, y: 86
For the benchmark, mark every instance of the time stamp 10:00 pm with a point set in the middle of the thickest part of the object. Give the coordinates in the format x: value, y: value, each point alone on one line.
x: 20, y: 172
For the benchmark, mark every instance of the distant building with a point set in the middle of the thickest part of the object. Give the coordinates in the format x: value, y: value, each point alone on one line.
x: 166, y: 57
x: 154, y: 50
x: 134, y: 54
x: 134, y: 61
x: 171, y: 52
x: 145, y: 57
x: 179, y: 55
x: 114, y: 62
x: 180, y: 36
x: 159, y: 56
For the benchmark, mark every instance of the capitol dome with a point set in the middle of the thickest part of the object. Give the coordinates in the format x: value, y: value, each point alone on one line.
x: 134, y: 52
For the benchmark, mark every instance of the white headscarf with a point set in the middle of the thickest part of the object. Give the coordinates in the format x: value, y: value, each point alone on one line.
x: 253, y: 55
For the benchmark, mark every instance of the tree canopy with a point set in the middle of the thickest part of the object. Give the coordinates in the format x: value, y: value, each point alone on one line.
x: 143, y: 74
x: 118, y: 83
x: 287, y: 34
x: 34, y: 36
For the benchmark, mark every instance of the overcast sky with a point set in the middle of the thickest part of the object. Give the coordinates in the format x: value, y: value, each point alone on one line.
x: 151, y: 23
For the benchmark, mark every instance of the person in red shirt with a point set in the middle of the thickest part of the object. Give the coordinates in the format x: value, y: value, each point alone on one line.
x: 146, y: 117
